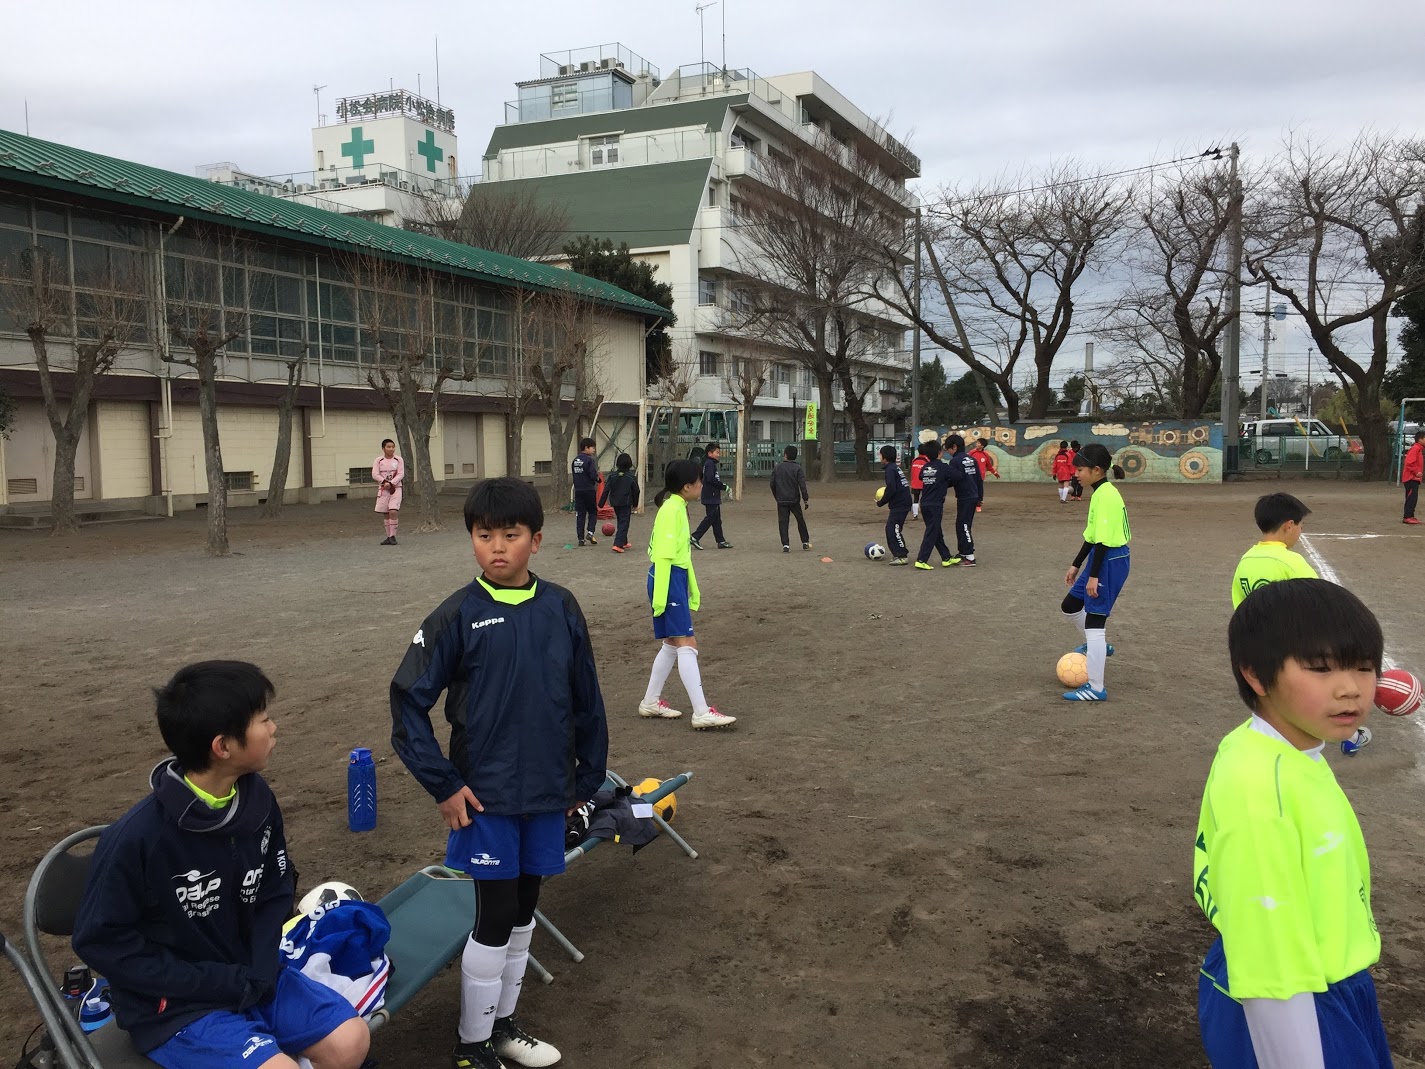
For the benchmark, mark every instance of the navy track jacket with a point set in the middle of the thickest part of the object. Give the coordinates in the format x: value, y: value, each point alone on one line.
x: 184, y: 907
x: 620, y: 490
x: 935, y: 481
x: 965, y: 477
x: 527, y: 727
x: 897, y: 495
x: 713, y: 486
x: 585, y: 473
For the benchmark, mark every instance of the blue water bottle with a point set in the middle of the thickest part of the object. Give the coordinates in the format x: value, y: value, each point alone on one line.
x: 361, y: 790
x: 96, y: 1010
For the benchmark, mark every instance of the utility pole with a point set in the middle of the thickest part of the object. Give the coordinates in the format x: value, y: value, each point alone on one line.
x: 1308, y: 381
x: 1266, y: 345
x: 915, y: 344
x: 1230, y: 361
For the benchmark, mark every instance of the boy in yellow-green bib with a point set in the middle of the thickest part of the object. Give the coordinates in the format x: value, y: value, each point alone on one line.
x: 673, y: 596
x: 1280, y: 866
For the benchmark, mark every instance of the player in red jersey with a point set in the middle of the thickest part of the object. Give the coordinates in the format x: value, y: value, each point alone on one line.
x: 915, y: 484
x: 1063, y: 471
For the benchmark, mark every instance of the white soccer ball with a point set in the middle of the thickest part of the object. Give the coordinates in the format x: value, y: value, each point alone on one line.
x: 326, y: 895
x: 874, y: 551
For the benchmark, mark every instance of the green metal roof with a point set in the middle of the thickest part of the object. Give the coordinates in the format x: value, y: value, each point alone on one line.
x: 652, y: 204
x: 707, y: 111
x: 32, y: 162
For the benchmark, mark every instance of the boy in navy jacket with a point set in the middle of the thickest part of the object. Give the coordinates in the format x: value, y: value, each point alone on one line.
x: 528, y: 744
x: 188, y: 891
x: 969, y: 492
x: 935, y: 479
x: 585, y: 473
x: 713, y: 489
x: 896, y: 497
x: 621, y: 492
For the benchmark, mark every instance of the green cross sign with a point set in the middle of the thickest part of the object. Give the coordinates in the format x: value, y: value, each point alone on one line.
x: 357, y: 148
x: 428, y: 148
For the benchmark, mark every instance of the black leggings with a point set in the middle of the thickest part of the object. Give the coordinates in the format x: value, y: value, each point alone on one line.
x: 501, y: 906
x: 1092, y: 620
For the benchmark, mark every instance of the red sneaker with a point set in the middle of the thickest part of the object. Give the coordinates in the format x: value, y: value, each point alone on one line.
x: 1412, y: 521
x: 618, y: 549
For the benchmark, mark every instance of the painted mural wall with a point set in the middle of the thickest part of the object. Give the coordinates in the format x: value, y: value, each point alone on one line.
x: 1163, y: 451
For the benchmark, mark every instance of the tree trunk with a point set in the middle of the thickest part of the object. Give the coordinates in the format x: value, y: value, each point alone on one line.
x: 514, y: 441
x: 427, y: 490
x: 560, y: 432
x: 825, y: 449
x: 1042, y: 396
x: 1375, y: 429
x: 282, y: 458
x: 860, y: 425
x: 66, y: 447
x: 213, y: 454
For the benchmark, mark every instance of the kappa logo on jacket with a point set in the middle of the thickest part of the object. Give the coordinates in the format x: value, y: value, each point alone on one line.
x: 198, y: 892
x: 476, y: 625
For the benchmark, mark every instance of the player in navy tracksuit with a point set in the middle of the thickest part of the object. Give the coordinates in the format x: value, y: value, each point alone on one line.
x: 586, y: 491
x: 528, y: 743
x: 713, y: 488
x: 187, y: 893
x: 969, y: 492
x: 897, y: 499
x: 935, y: 484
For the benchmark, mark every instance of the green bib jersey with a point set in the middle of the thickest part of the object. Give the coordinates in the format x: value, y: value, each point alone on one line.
x: 670, y: 546
x: 1107, y: 523
x: 1280, y: 869
x: 1267, y: 562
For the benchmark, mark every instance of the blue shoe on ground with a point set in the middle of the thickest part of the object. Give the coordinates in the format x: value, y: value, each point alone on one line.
x: 1361, y: 738
x: 1086, y: 693
x: 1083, y: 648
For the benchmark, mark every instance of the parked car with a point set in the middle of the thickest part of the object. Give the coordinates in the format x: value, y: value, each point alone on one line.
x: 1273, y: 441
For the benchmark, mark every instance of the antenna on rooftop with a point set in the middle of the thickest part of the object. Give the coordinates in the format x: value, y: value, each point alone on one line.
x: 317, y: 90
x: 437, y: 68
x: 702, y: 47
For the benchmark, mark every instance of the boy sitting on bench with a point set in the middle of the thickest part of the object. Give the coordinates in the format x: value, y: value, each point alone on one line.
x: 188, y: 891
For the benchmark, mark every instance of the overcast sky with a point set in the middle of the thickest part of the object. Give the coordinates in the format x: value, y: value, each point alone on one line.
x: 978, y: 89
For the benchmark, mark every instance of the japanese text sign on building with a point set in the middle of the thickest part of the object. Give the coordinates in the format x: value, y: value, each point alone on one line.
x: 396, y: 102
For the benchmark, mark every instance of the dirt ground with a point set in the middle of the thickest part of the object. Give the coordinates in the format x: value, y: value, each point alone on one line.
x: 913, y: 852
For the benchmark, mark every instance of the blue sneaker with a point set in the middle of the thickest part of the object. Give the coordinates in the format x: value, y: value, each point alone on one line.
x: 1361, y: 738
x: 1087, y: 693
x: 1083, y: 648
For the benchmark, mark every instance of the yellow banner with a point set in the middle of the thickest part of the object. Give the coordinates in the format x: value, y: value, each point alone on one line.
x: 809, y: 433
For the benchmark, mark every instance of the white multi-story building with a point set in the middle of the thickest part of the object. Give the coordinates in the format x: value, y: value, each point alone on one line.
x: 659, y: 163
x: 387, y: 158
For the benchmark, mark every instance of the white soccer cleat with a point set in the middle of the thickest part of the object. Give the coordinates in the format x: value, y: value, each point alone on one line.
x: 513, y: 1044
x: 712, y: 719
x: 1361, y: 738
x: 659, y: 708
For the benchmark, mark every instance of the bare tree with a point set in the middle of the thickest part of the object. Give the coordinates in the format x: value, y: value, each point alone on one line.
x: 1178, y: 297
x: 96, y: 319
x: 1007, y: 260
x: 199, y: 324
x: 1343, y: 240
x: 672, y: 390
x: 744, y: 379
x: 563, y: 353
x: 282, y: 455
x: 816, y: 225
x: 417, y: 352
x: 519, y: 388
x: 503, y: 217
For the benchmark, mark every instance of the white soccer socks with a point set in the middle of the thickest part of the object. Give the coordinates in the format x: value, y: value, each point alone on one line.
x: 662, y: 669
x: 1077, y: 619
x: 481, y: 979
x: 691, y: 677
x: 1097, y: 656
x: 512, y: 979
x: 1063, y: 494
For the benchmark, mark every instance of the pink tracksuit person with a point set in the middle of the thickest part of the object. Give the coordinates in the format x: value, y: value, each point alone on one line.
x: 388, y: 473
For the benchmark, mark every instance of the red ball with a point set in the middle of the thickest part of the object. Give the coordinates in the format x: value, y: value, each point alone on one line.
x: 608, y: 530
x: 1398, y: 692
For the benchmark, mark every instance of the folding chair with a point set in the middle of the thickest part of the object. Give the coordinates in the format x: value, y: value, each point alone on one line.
x: 430, y: 914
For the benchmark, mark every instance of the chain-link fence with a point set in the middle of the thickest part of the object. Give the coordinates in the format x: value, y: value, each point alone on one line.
x: 1296, y: 455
